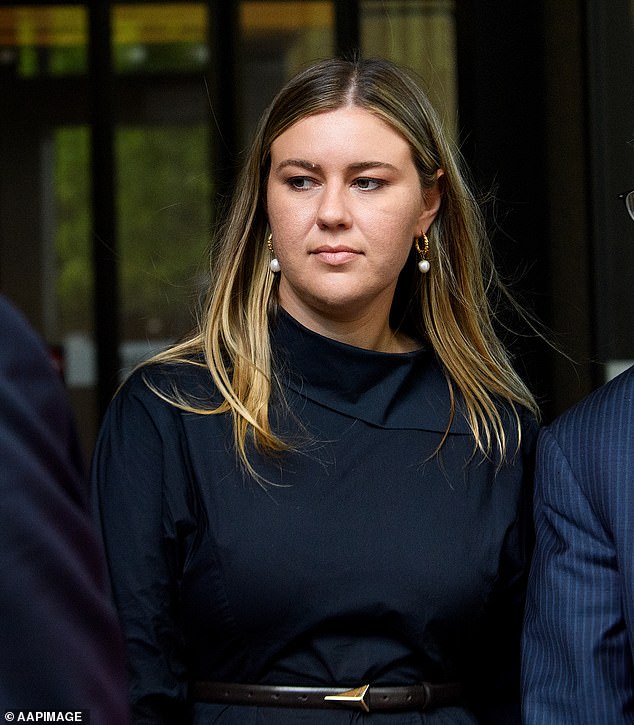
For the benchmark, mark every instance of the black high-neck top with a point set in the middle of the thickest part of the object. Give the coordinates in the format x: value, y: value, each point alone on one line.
x: 376, y: 387
x: 367, y: 558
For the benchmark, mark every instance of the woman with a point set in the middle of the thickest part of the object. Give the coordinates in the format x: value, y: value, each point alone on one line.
x: 325, y: 486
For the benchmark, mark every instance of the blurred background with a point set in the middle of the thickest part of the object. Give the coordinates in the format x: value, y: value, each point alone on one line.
x: 122, y: 126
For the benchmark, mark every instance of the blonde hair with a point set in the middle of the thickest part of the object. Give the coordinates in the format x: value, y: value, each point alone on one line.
x: 448, y: 308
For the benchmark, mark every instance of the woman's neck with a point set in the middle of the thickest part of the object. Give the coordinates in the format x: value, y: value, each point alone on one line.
x: 362, y: 330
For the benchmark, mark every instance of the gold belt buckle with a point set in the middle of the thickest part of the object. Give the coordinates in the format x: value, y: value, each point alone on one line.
x: 353, y: 698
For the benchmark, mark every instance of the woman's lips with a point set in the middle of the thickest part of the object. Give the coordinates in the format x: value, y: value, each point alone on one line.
x: 335, y: 255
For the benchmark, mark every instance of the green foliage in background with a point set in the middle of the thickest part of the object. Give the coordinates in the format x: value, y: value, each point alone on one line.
x: 163, y: 223
x: 72, y: 229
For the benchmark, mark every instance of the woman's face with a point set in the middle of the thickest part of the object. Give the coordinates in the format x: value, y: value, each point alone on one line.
x: 344, y: 203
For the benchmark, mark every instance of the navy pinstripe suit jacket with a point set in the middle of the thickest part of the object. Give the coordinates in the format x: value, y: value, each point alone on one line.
x: 579, y: 629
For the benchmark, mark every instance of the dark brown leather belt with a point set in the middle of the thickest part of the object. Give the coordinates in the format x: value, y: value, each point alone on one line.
x: 423, y: 696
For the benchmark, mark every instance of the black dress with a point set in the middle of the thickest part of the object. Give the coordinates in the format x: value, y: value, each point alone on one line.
x: 367, y: 558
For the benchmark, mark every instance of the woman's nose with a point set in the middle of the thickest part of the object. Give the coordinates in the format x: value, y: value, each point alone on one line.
x: 333, y: 211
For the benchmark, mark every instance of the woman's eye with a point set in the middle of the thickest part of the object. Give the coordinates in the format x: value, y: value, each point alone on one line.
x: 300, y: 182
x: 368, y: 184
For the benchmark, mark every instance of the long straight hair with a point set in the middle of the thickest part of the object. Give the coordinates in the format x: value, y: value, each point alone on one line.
x: 449, y: 308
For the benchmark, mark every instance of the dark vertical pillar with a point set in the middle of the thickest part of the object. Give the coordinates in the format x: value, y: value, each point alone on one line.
x: 104, y: 241
x: 223, y: 94
x: 610, y: 65
x: 569, y: 201
x: 347, y: 28
x: 501, y: 90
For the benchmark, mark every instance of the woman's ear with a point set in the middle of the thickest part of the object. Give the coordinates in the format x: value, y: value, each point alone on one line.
x: 431, y: 202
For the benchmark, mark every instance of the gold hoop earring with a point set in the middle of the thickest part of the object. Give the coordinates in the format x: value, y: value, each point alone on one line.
x: 274, y: 265
x: 423, y: 264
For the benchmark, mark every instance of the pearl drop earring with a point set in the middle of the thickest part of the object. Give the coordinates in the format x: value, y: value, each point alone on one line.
x: 274, y: 265
x: 423, y: 264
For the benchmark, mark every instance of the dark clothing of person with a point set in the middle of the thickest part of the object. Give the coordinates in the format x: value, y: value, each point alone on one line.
x: 365, y: 558
x: 578, y: 647
x: 60, y: 645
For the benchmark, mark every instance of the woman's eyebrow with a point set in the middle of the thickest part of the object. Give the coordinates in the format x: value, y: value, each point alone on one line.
x: 362, y: 165
x: 308, y: 165
x: 357, y: 166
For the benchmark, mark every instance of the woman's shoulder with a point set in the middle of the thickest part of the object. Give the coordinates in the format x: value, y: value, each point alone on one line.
x: 513, y: 416
x: 186, y: 382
